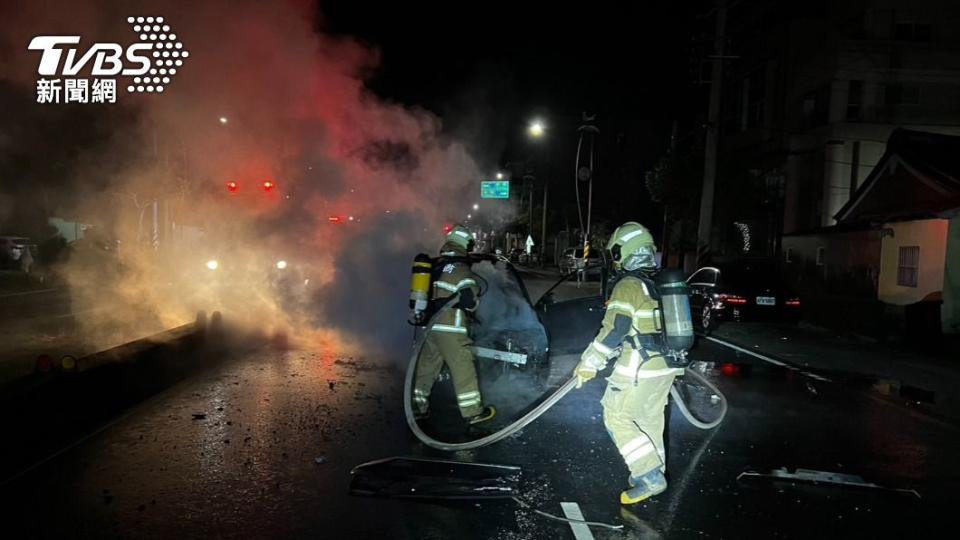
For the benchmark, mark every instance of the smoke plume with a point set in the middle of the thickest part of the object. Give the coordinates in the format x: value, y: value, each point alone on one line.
x: 361, y: 184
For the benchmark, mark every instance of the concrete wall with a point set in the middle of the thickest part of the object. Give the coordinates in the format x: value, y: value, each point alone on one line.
x: 931, y: 236
x: 841, y: 293
x: 849, y: 264
x: 950, y: 315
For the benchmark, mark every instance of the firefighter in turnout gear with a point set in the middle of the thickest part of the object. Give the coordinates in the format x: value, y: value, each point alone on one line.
x: 637, y: 390
x: 448, y: 341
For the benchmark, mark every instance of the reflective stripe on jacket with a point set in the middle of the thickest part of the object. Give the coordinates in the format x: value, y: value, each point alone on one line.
x: 453, y: 278
x: 630, y: 300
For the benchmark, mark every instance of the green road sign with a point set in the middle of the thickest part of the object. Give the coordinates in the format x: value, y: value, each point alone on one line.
x: 495, y: 189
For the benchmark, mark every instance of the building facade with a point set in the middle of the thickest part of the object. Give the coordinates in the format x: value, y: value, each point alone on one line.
x: 811, y: 93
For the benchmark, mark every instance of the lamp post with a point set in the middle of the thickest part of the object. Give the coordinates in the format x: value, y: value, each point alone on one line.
x: 585, y: 170
x: 537, y: 130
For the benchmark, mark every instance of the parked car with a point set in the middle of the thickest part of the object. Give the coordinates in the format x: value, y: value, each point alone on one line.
x: 738, y: 291
x: 11, y: 250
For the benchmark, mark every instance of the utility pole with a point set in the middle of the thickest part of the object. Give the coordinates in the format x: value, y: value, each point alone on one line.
x: 672, y: 160
x: 713, y: 128
x: 547, y: 169
x: 530, y: 179
x: 543, y: 222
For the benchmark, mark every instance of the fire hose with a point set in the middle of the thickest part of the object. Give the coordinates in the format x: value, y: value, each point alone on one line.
x: 534, y: 413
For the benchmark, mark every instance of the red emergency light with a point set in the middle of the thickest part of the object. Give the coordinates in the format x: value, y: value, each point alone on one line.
x: 268, y: 185
x: 232, y: 186
x: 447, y: 228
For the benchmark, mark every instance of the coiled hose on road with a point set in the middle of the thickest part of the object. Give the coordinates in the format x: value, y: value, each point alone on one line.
x: 534, y: 413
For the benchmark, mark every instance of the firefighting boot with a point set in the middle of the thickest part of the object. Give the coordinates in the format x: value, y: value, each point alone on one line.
x: 644, y: 487
x: 486, y: 414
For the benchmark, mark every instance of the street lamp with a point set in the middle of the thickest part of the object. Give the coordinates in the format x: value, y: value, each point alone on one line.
x: 499, y: 176
x: 476, y: 206
x: 223, y: 120
x: 536, y: 129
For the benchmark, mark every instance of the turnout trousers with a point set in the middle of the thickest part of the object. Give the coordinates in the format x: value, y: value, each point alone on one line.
x: 452, y: 349
x: 633, y: 414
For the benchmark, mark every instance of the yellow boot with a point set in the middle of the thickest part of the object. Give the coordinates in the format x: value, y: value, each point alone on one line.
x: 487, y: 413
x: 644, y: 487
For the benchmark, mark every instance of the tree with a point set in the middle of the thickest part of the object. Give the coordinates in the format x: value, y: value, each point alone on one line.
x: 674, y: 182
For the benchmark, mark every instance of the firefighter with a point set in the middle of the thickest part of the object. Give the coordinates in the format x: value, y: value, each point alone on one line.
x: 637, y: 390
x: 448, y: 341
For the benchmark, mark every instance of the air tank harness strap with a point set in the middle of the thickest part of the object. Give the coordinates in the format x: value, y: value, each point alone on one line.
x: 641, y: 342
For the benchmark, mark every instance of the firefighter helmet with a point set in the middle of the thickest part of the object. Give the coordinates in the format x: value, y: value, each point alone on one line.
x: 460, y: 236
x: 632, y: 247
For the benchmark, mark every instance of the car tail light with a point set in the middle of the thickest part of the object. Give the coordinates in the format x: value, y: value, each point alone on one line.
x: 732, y: 299
x: 794, y: 302
x: 729, y: 369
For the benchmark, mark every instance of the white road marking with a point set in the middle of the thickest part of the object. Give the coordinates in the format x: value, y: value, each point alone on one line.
x: 580, y: 530
x: 766, y: 358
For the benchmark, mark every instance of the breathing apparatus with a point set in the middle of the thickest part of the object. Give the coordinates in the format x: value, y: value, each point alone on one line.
x: 458, y: 244
x: 421, y: 280
x: 634, y: 254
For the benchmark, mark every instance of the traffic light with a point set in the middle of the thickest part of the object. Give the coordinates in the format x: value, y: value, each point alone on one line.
x: 232, y: 186
x: 268, y: 185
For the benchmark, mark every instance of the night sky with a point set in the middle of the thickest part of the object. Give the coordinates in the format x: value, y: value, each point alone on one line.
x: 487, y: 68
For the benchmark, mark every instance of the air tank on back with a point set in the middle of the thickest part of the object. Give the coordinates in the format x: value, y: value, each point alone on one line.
x: 675, y: 310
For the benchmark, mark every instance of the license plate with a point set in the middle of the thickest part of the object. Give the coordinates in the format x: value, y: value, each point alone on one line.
x: 766, y: 301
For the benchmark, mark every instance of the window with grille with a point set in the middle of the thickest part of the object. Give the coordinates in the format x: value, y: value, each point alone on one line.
x: 909, y: 266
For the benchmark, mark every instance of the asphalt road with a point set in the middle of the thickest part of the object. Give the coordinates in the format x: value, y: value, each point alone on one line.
x: 261, y: 446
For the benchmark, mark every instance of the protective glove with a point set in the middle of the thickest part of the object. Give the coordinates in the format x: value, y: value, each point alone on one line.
x: 584, y: 373
x: 591, y: 361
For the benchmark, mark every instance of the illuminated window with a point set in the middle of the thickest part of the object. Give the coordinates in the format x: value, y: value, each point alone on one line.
x: 909, y: 266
